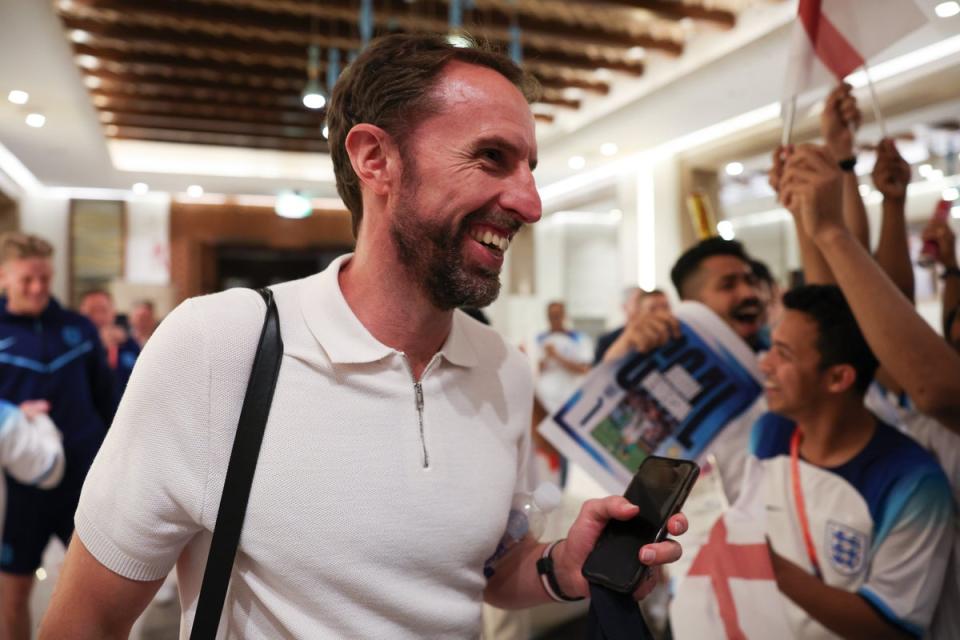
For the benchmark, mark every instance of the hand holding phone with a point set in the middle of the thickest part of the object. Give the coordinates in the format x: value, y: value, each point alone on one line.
x: 659, y: 489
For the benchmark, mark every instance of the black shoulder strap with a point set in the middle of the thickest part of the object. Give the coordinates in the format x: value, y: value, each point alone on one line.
x: 615, y: 616
x: 243, y: 463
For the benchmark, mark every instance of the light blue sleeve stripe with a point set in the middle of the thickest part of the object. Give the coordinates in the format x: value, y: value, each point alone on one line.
x: 8, y: 413
x: 881, y: 607
x: 926, y: 495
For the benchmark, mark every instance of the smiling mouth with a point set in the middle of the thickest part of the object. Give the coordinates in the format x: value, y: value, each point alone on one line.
x: 490, y: 239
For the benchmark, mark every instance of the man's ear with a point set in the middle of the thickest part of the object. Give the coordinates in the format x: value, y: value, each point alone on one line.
x: 840, y: 378
x: 373, y: 156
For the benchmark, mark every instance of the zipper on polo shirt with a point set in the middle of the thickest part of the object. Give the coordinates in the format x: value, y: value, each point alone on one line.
x: 418, y: 399
x: 418, y: 391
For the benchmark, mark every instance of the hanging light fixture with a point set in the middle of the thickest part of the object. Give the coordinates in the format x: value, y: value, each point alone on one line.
x: 313, y: 96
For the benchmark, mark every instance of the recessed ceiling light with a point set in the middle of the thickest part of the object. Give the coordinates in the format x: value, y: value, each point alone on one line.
x: 194, y: 191
x: 947, y: 9
x: 950, y: 194
x: 87, y: 61
x: 576, y: 162
x: 325, y: 132
x: 725, y: 229
x: 140, y: 188
x: 609, y: 148
x: 734, y: 169
x: 18, y: 97
x: 36, y: 120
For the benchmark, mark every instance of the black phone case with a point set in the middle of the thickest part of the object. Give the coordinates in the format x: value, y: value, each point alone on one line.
x: 596, y: 574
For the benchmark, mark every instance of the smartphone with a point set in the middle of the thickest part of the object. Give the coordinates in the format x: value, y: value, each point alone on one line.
x: 659, y: 488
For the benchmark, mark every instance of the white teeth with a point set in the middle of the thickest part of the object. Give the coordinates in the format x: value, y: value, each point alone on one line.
x: 491, y: 239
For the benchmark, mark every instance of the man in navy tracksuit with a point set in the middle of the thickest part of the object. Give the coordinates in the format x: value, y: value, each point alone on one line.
x: 53, y: 354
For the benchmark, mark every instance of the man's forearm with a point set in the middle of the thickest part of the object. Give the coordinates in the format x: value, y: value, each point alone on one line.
x: 815, y: 268
x: 844, y: 613
x: 900, y: 338
x: 854, y: 211
x: 893, y: 252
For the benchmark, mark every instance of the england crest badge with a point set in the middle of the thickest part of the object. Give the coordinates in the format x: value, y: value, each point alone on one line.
x: 847, y: 548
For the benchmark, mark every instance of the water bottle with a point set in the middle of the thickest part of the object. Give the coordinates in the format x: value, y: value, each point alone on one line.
x: 528, y: 516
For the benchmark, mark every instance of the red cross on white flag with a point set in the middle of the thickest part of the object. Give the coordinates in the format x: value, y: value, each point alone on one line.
x: 833, y: 38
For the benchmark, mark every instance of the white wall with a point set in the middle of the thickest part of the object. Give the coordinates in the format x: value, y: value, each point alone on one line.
x: 48, y: 216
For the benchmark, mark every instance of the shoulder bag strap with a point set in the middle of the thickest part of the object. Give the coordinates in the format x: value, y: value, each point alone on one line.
x: 240, y: 469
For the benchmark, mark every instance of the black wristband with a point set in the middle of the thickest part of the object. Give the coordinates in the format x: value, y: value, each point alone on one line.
x: 549, y: 578
x: 950, y: 272
x: 847, y: 164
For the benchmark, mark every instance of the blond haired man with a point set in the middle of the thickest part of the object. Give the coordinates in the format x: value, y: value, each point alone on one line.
x: 51, y: 354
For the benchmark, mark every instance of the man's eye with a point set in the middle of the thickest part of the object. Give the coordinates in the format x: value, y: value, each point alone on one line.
x: 494, y: 155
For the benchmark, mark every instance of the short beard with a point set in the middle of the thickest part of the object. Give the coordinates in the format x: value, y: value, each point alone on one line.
x: 433, y: 256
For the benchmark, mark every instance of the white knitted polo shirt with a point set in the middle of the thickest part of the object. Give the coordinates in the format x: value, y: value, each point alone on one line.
x: 361, y: 523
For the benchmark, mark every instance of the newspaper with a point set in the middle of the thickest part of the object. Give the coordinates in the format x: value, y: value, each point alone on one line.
x: 671, y: 401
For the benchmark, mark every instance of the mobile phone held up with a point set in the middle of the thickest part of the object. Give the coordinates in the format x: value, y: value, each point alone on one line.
x: 659, y: 488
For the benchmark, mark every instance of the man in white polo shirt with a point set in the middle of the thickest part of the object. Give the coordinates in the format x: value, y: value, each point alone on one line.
x: 399, y: 428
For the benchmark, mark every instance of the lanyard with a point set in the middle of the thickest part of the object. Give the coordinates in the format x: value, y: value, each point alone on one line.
x: 798, y: 497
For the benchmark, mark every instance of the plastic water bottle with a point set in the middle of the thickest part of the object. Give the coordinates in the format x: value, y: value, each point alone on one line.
x: 528, y: 516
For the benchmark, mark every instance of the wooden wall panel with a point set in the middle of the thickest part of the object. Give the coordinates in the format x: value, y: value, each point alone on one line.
x: 196, y: 230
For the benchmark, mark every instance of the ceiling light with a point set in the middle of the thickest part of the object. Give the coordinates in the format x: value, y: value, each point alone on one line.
x: 947, y: 9
x: 609, y: 148
x: 725, y: 229
x: 18, y: 97
x: 293, y: 205
x: 576, y: 162
x: 312, y: 96
x: 325, y: 132
x: 194, y: 191
x: 140, y: 188
x: 87, y: 62
x: 950, y: 194
x: 79, y: 36
x: 36, y: 120
x: 734, y: 169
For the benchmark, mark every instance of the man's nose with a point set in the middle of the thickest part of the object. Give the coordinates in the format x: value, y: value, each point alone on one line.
x: 521, y: 197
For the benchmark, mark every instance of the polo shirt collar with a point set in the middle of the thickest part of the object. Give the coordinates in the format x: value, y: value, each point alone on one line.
x: 345, y: 339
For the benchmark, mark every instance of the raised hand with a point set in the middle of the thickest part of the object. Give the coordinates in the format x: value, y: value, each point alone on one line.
x: 838, y: 122
x: 812, y: 189
x: 939, y: 231
x: 891, y: 173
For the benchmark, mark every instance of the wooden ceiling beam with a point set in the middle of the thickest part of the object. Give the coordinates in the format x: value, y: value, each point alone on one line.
x: 558, y: 82
x: 675, y: 10
x: 192, y: 137
x: 137, y: 106
x: 210, y: 125
x: 171, y: 89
